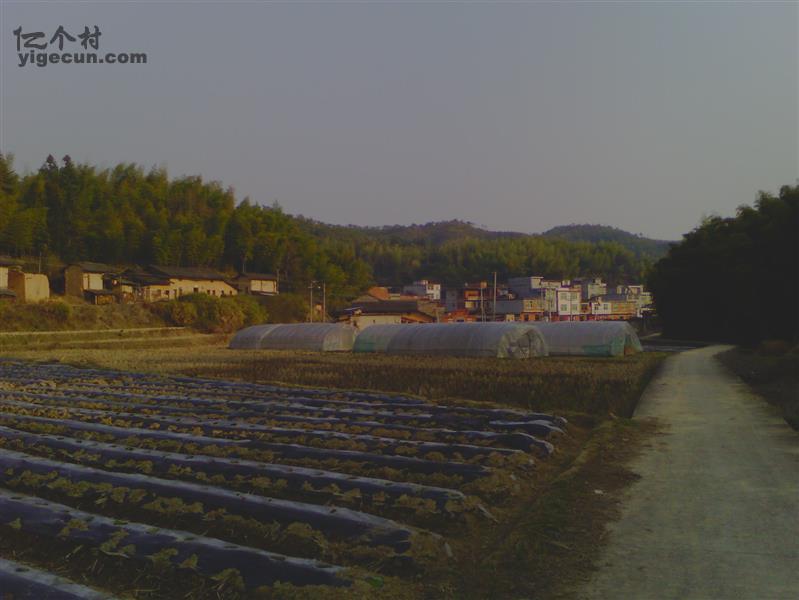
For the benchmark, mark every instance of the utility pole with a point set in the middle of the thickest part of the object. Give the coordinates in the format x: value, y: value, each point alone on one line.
x: 324, y: 301
x: 310, y: 312
x: 494, y: 309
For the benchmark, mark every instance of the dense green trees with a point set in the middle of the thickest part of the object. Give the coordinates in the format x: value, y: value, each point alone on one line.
x: 735, y: 279
x: 640, y: 245
x: 455, y: 252
x: 126, y: 215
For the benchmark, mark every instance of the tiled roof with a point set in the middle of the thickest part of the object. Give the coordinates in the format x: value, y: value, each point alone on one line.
x: 94, y: 267
x: 196, y: 273
x: 393, y: 307
x: 7, y: 261
x: 249, y: 275
x: 143, y: 278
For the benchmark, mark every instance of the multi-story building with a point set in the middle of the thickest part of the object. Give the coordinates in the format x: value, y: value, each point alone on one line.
x: 622, y: 306
x: 471, y: 296
x: 591, y: 287
x: 521, y: 309
x: 596, y: 309
x: 522, y: 287
x: 533, y: 298
x: 568, y: 303
x: 424, y: 288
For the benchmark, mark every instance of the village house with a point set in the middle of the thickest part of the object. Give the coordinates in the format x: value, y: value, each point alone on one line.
x: 5, y: 265
x: 641, y: 296
x: 568, y: 303
x: 148, y: 287
x: 168, y: 283
x: 622, y: 306
x: 91, y: 281
x: 28, y: 287
x: 380, y: 312
x: 424, y: 288
x: 15, y: 284
x: 522, y: 287
x: 125, y: 290
x: 591, y: 287
x: 374, y: 294
x: 380, y: 293
x: 597, y: 309
x: 258, y: 284
x: 520, y: 309
x: 459, y: 316
x: 470, y: 296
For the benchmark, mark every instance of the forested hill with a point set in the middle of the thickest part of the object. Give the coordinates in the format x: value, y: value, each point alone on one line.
x: 642, y: 246
x: 128, y: 215
x: 429, y: 233
x: 444, y: 231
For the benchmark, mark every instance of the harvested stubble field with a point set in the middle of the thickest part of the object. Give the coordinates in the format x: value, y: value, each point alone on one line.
x: 162, y: 486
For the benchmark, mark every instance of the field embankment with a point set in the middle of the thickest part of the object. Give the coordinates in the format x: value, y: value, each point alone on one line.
x: 64, y: 315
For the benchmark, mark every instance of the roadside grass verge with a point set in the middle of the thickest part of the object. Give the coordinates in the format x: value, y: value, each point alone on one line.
x: 771, y: 372
x: 549, y: 543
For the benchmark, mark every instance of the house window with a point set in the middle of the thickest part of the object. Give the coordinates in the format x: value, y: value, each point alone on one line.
x: 196, y: 290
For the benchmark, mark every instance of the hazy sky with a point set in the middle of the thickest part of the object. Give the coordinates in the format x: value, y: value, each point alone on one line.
x: 518, y: 116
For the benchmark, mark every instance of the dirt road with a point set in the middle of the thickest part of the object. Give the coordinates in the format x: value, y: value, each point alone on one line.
x: 716, y: 511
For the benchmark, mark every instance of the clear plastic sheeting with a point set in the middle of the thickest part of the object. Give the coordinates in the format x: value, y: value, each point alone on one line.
x: 319, y: 337
x: 499, y: 340
x: 250, y: 338
x: 590, y: 338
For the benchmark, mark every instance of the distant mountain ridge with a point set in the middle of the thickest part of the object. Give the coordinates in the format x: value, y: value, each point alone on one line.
x: 439, y: 232
x: 640, y: 245
x: 436, y: 232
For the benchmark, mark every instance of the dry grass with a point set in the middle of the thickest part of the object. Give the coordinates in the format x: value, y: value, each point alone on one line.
x: 62, y: 314
x: 773, y: 372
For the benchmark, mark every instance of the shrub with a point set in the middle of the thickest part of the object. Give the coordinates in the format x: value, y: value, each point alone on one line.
x: 58, y: 310
x: 286, y: 308
x: 252, y: 308
x: 212, y: 314
x: 182, y: 314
